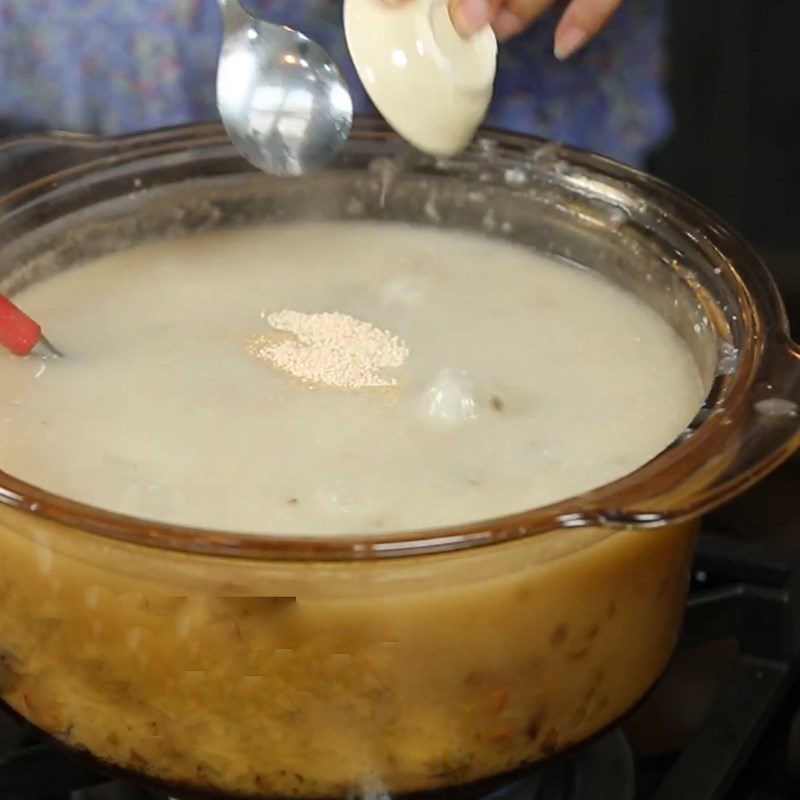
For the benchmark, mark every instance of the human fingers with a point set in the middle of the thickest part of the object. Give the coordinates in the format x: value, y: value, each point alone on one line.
x: 471, y: 16
x: 582, y: 20
x: 516, y: 15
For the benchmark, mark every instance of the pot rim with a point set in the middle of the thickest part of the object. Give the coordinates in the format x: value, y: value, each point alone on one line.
x: 748, y: 429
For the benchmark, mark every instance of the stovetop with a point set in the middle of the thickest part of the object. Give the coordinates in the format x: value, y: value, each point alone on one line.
x: 720, y: 725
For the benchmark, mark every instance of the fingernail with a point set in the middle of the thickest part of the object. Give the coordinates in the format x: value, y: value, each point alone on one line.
x: 506, y: 24
x: 569, y: 40
x: 471, y: 16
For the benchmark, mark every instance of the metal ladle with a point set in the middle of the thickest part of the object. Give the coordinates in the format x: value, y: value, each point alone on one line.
x: 282, y: 99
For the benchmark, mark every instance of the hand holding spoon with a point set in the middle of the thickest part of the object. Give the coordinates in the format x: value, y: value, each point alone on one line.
x: 282, y: 99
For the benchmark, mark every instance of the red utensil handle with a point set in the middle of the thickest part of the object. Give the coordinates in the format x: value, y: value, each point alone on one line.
x: 18, y: 332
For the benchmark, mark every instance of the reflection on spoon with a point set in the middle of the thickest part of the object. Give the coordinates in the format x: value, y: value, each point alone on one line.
x: 282, y: 99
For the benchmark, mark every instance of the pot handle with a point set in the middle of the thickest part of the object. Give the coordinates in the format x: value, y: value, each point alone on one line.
x: 774, y: 434
x: 765, y: 436
x: 770, y: 432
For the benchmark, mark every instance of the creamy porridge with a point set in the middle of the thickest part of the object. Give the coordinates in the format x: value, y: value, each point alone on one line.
x: 338, y: 378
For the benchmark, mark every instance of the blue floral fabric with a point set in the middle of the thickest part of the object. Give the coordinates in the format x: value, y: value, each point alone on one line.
x: 116, y: 66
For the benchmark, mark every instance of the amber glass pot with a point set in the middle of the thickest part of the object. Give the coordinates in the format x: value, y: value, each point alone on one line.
x: 336, y: 667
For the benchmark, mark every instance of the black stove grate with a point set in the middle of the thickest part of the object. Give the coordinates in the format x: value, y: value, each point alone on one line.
x: 753, y: 598
x: 738, y: 594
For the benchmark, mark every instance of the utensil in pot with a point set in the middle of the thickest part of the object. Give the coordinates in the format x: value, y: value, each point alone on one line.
x: 283, y: 101
x: 20, y: 335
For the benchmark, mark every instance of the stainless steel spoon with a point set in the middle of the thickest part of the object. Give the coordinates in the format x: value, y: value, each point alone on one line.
x: 283, y: 101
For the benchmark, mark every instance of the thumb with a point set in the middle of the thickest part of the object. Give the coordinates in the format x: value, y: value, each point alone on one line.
x: 471, y: 16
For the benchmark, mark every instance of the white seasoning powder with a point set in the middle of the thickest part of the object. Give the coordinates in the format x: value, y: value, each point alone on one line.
x: 331, y: 349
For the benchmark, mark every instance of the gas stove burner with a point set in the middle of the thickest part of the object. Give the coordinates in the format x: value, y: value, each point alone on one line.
x: 116, y: 791
x: 603, y: 770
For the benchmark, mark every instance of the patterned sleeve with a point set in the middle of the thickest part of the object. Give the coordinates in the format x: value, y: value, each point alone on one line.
x: 113, y: 67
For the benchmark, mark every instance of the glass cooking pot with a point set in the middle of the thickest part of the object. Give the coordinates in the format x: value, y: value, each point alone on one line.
x: 336, y: 667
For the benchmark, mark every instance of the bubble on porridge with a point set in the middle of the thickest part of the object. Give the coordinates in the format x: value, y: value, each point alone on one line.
x: 331, y: 349
x: 450, y: 399
x: 515, y: 176
x: 404, y: 290
x: 431, y: 211
x: 339, y: 495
